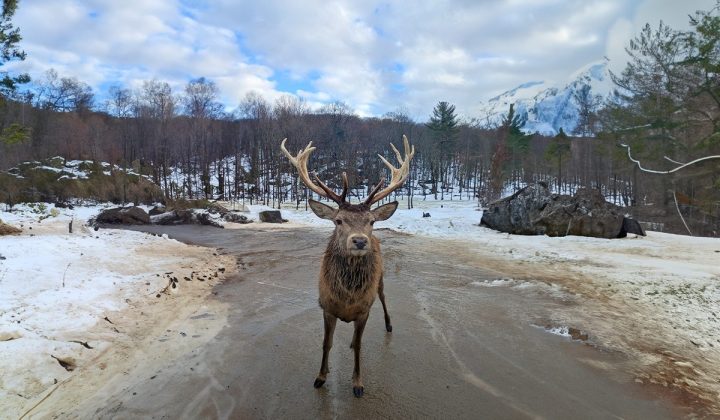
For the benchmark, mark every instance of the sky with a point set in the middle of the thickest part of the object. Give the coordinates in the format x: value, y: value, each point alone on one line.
x: 375, y: 56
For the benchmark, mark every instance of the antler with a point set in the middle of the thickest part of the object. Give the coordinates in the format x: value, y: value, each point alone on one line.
x: 399, y: 175
x: 300, y: 162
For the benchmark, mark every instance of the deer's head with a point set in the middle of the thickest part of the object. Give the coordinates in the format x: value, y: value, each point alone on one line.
x: 353, y: 222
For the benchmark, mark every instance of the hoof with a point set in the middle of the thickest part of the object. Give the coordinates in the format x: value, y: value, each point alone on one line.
x: 318, y: 383
x: 388, y: 327
x: 358, y: 391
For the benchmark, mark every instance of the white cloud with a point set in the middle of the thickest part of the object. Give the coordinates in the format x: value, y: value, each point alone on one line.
x: 373, y: 55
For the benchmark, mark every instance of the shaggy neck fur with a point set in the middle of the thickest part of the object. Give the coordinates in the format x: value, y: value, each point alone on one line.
x: 354, y: 273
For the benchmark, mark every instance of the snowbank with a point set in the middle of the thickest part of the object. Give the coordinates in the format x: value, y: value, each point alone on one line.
x: 66, y: 298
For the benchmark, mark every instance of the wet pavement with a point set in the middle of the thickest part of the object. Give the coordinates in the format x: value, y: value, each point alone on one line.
x: 457, y: 350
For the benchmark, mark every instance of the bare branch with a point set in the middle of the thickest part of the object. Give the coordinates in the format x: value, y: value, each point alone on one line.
x: 671, y: 170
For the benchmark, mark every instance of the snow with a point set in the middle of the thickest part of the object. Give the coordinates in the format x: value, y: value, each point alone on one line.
x: 548, y: 106
x: 57, y: 289
x: 654, y: 298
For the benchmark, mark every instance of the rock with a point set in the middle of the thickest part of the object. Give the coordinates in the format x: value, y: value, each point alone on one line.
x: 631, y: 226
x: 125, y: 216
x: 534, y: 210
x: 6, y: 229
x: 271, y: 216
x: 234, y: 217
x: 186, y: 217
x: 167, y: 218
x: 208, y: 220
x: 515, y: 214
x: 576, y: 334
x: 215, y: 208
x: 61, y: 205
x: 157, y: 210
x: 584, y: 214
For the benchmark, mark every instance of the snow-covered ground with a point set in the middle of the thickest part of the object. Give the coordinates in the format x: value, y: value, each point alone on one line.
x: 655, y: 298
x: 67, y: 298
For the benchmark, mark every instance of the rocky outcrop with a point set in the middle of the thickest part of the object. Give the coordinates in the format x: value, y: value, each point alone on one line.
x: 125, y: 216
x: 214, y: 215
x: 186, y: 217
x: 271, y: 216
x: 534, y: 210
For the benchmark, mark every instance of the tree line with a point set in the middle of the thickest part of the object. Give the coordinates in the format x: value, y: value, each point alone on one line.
x: 666, y: 108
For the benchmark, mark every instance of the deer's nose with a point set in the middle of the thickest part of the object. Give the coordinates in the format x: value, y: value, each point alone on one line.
x: 359, y: 242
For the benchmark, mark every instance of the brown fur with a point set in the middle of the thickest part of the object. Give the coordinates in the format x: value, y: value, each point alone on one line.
x: 350, y: 278
x: 351, y: 274
x: 348, y: 284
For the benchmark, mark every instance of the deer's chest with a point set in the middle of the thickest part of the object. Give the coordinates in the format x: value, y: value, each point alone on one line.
x: 348, y: 291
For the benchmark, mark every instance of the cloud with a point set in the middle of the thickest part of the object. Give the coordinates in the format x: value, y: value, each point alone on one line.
x: 375, y: 56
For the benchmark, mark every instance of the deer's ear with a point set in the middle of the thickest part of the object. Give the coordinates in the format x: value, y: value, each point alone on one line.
x: 385, y: 211
x: 321, y: 210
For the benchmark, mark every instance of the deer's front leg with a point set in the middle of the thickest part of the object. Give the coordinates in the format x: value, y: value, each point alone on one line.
x: 358, y: 389
x: 330, y: 322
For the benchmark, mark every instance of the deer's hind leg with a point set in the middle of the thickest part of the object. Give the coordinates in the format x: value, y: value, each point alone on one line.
x: 381, y: 293
x: 330, y: 321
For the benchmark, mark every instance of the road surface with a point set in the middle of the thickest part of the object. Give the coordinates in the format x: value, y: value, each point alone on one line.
x: 457, y: 350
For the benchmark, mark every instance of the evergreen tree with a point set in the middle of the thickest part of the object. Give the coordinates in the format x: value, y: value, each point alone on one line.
x: 517, y: 142
x: 9, y: 50
x: 558, y: 149
x: 667, y: 110
x: 12, y: 133
x: 444, y: 127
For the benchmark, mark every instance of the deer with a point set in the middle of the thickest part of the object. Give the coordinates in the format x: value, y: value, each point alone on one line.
x: 351, y: 270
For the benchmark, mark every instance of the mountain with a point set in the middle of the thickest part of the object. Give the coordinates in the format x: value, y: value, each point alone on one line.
x: 548, y: 108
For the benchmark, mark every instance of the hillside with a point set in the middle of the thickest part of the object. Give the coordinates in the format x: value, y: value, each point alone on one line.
x: 549, y: 107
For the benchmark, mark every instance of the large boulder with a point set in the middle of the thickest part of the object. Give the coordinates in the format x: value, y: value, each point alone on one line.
x: 534, y: 210
x: 516, y: 213
x: 125, y: 216
x: 584, y: 214
x: 271, y: 216
x: 186, y: 217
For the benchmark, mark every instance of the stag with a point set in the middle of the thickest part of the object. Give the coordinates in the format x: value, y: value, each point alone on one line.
x: 351, y: 272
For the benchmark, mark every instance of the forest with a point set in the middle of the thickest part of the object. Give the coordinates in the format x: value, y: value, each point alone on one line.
x: 665, y: 112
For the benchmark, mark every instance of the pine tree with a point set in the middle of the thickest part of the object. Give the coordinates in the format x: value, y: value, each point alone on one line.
x: 9, y: 50
x: 13, y: 133
x: 444, y: 126
x: 558, y: 149
x: 517, y: 142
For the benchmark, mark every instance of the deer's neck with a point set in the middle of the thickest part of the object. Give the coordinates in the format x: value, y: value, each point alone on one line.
x: 353, y: 273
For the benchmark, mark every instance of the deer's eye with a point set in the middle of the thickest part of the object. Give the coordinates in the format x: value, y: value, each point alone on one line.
x: 338, y: 221
x: 372, y: 222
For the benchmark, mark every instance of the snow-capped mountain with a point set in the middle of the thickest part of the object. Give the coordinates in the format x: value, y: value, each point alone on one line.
x: 548, y: 108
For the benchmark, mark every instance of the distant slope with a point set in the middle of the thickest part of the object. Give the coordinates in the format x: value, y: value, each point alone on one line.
x: 548, y: 108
